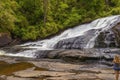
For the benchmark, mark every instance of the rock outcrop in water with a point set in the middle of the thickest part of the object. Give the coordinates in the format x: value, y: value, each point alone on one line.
x: 116, y: 30
x: 109, y: 38
x: 106, y: 39
x: 76, y: 42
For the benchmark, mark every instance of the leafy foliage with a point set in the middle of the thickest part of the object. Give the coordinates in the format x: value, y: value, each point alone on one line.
x: 31, y: 19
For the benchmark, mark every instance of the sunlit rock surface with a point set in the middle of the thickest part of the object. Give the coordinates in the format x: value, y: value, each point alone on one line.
x: 57, y: 70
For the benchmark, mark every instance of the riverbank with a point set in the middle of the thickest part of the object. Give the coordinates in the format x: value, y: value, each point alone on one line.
x: 14, y: 68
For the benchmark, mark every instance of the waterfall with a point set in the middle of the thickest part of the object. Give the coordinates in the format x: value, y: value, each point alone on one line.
x: 89, y: 31
x: 103, y: 24
x: 108, y: 24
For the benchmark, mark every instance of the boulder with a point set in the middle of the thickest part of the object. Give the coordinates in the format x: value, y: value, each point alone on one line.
x: 5, y: 39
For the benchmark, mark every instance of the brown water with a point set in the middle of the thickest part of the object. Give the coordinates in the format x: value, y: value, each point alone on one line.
x: 8, y: 69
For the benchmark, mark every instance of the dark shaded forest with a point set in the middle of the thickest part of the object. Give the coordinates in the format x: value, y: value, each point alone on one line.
x: 38, y: 19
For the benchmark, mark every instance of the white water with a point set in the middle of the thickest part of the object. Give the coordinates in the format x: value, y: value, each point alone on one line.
x: 27, y: 53
x: 48, y: 44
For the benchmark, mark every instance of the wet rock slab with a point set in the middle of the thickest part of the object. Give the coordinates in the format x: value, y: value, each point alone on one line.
x: 31, y: 74
x: 53, y: 75
x: 79, y: 55
x: 57, y: 66
x: 17, y: 78
x: 57, y: 70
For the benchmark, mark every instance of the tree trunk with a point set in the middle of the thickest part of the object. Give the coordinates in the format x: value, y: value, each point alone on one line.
x: 107, y: 2
x: 45, y: 5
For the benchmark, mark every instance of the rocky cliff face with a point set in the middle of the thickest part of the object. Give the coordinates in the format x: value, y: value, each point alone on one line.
x: 5, y: 39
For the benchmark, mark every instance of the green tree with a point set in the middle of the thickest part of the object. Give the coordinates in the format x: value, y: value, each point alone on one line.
x: 33, y: 19
x: 7, y: 15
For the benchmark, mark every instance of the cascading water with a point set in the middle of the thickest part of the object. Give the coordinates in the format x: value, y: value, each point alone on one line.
x: 70, y: 38
x: 87, y: 38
